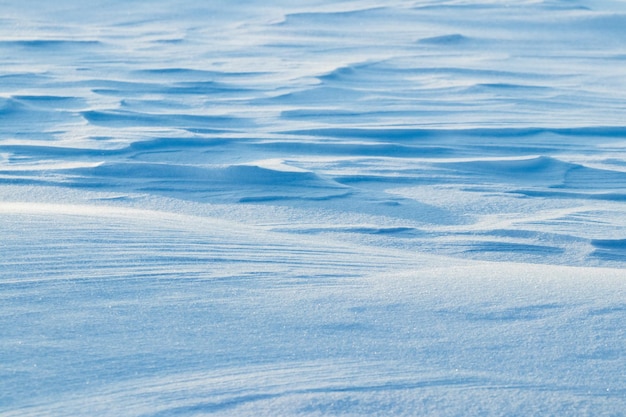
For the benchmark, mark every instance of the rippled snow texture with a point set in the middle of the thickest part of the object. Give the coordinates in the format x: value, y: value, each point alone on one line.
x: 312, y: 208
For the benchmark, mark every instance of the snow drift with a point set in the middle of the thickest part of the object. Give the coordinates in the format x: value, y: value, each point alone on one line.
x: 321, y: 208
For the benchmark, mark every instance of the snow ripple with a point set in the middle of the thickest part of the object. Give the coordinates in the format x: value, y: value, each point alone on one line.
x: 346, y: 208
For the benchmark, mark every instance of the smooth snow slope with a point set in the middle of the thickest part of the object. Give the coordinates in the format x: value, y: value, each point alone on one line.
x: 312, y: 208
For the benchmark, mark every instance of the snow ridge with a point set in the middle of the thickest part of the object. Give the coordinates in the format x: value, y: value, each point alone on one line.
x: 320, y: 208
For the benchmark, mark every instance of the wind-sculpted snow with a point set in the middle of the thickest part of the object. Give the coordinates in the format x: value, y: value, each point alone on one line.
x: 407, y: 207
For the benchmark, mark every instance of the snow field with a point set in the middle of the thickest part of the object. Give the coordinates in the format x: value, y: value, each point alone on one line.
x: 323, y: 208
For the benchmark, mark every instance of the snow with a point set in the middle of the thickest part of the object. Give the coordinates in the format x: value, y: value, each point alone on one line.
x: 406, y: 207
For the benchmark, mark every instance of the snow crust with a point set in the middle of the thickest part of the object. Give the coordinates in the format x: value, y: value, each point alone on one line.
x: 311, y: 208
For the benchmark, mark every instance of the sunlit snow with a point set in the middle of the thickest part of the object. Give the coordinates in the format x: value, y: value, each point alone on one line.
x: 390, y: 208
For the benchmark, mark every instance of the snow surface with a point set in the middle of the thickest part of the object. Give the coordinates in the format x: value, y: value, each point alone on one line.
x: 401, y: 207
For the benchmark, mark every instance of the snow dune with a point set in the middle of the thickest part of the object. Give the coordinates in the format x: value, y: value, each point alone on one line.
x: 321, y: 208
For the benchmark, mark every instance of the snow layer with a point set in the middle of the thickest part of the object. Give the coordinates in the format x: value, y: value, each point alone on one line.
x: 321, y: 208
